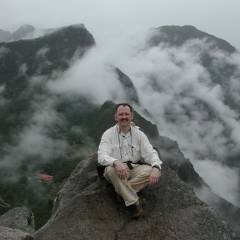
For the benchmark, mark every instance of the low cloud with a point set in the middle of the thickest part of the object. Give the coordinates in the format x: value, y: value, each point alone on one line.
x: 178, y: 91
x: 34, y: 142
x: 92, y: 77
x: 23, y: 69
x: 172, y: 84
x: 223, y: 179
x: 175, y: 87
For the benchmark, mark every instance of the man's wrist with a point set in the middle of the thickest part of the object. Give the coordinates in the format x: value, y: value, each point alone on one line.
x: 115, y: 163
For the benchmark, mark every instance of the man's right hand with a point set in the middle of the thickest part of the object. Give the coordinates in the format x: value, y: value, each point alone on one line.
x: 121, y: 169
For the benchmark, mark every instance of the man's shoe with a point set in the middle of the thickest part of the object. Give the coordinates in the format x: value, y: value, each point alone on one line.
x: 138, y: 210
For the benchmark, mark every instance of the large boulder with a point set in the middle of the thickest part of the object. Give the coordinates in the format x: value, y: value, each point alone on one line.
x: 87, y: 208
x: 18, y: 217
x: 13, y: 234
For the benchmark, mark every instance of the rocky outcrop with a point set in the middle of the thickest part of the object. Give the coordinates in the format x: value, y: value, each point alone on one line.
x: 87, y: 208
x: 17, y: 224
x: 13, y: 234
x: 128, y: 86
x: 20, y: 218
x: 171, y: 154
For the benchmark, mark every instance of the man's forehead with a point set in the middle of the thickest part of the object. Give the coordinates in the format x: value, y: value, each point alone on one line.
x: 123, y: 109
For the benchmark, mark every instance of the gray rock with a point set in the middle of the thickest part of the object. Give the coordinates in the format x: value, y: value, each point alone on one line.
x: 13, y: 234
x: 87, y: 208
x: 20, y: 218
x: 128, y: 86
x: 174, y: 158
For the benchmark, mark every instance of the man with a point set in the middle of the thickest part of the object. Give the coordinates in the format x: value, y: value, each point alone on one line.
x: 120, y: 149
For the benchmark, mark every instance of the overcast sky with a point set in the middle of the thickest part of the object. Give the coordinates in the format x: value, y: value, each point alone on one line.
x: 112, y: 18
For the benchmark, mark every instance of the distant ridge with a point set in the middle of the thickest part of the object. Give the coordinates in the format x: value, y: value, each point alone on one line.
x: 178, y: 35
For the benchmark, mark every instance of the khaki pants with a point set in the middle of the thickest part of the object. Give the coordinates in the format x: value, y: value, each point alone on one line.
x: 137, y: 179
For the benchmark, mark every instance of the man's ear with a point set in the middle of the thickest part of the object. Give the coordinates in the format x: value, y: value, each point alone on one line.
x: 115, y: 117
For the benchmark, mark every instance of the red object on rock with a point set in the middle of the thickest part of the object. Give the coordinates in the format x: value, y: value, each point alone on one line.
x: 45, y: 177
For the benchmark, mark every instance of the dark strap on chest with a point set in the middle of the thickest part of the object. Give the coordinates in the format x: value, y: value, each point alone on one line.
x: 129, y: 165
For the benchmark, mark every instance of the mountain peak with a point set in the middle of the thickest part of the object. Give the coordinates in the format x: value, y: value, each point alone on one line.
x: 24, y: 31
x: 177, y: 35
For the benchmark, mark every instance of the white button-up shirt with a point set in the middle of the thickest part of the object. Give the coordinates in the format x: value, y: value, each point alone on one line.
x: 131, y: 146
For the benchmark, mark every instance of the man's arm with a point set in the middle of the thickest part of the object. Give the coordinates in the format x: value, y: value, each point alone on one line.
x: 105, y: 159
x: 150, y: 155
x: 104, y: 150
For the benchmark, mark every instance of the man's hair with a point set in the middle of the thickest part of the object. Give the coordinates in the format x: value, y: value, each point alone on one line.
x: 124, y: 105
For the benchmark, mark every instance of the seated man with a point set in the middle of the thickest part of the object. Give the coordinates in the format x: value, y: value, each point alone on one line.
x: 120, y: 149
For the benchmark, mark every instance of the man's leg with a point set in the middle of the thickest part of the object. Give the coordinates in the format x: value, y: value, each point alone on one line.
x: 139, y: 177
x: 122, y: 187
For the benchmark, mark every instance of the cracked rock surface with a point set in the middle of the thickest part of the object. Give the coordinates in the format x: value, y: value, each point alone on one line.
x: 87, y: 208
x: 18, y: 217
x: 13, y: 234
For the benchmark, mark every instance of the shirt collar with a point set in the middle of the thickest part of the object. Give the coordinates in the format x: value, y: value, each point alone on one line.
x: 123, y: 134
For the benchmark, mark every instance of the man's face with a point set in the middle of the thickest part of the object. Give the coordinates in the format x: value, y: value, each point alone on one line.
x: 124, y: 116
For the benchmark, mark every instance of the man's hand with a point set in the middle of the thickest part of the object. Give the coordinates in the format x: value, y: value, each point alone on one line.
x: 121, y: 169
x: 154, y: 176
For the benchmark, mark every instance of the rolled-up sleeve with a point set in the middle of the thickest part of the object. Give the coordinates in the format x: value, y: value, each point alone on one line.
x: 104, y: 150
x: 148, y: 153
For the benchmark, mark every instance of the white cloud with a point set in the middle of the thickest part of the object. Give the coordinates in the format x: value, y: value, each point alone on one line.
x: 224, y: 180
x: 23, y: 69
x: 177, y: 90
x: 34, y: 141
x: 92, y: 77
x: 179, y: 84
x: 171, y: 83
x: 41, y: 53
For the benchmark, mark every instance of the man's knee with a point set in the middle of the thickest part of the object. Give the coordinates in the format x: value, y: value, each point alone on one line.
x: 110, y: 172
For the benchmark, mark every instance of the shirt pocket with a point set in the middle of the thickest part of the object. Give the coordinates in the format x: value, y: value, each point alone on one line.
x: 115, y: 150
x: 136, y: 151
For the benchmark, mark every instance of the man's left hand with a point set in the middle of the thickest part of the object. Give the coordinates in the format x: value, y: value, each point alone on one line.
x: 154, y: 176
